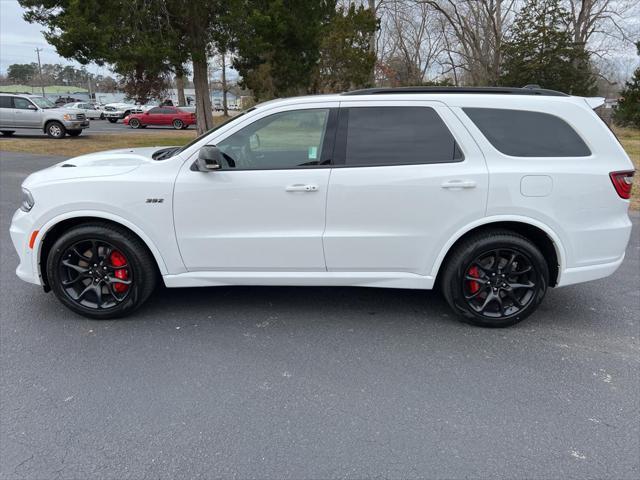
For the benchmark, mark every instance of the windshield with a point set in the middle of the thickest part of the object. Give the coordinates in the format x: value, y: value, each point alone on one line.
x: 199, y: 137
x: 42, y: 102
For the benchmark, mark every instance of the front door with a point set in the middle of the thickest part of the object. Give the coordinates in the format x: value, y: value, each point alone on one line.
x: 264, y: 210
x: 405, y: 185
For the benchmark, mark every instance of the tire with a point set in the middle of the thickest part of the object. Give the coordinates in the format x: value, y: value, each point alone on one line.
x: 77, y: 247
x: 112, y: 120
x: 8, y: 133
x: 55, y: 130
x: 102, y: 116
x: 74, y: 133
x: 178, y: 124
x: 135, y: 123
x: 481, y: 289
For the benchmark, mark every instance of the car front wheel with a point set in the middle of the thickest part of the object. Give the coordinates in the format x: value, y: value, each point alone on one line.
x: 55, y: 130
x: 178, y: 124
x: 495, y: 279
x: 134, y: 123
x: 101, y: 271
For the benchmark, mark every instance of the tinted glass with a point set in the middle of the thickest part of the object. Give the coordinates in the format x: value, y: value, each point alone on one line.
x: 283, y: 140
x: 398, y: 136
x: 21, y: 103
x: 528, y: 134
x: 155, y: 111
x: 5, y: 102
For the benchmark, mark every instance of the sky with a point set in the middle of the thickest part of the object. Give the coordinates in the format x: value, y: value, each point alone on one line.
x: 19, y: 39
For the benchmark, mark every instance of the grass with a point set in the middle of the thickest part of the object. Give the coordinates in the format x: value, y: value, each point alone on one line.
x: 38, y: 90
x: 72, y: 147
x: 630, y: 139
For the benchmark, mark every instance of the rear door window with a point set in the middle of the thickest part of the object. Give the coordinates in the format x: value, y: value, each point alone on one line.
x: 522, y: 133
x: 377, y: 136
x: 5, y: 102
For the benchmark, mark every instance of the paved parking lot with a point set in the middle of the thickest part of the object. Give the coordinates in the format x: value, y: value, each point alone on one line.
x: 104, y: 126
x: 315, y: 382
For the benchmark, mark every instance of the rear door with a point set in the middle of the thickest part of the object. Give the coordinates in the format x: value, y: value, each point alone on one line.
x: 6, y: 111
x: 403, y: 186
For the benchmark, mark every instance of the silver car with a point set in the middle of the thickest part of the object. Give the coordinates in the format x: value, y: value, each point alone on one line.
x: 22, y: 111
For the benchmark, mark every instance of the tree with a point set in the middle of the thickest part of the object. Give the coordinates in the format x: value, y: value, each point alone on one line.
x: 277, y: 44
x: 346, y: 60
x: 540, y: 50
x: 475, y: 31
x: 22, y: 73
x: 627, y: 113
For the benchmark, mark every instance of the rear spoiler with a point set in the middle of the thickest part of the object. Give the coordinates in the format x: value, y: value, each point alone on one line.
x: 594, y: 102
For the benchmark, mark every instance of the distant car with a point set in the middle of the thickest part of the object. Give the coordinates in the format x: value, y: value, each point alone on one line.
x: 173, y: 116
x: 33, y: 112
x: 117, y: 111
x: 91, y: 112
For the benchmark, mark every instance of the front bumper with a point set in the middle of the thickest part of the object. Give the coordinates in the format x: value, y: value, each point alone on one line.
x: 76, y: 124
x: 21, y: 229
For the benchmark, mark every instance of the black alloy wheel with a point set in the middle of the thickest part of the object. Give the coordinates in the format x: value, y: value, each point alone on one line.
x: 495, y: 278
x: 101, y: 270
x: 95, y: 274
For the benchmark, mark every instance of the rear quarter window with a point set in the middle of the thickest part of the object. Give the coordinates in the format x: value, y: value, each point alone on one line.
x: 522, y: 133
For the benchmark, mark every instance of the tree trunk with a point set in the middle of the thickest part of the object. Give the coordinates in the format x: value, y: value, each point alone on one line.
x: 180, y: 87
x: 204, y: 117
x: 225, y: 109
x: 372, y: 45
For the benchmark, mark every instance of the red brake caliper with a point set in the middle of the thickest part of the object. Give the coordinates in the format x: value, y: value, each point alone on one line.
x: 118, y: 260
x: 474, y: 286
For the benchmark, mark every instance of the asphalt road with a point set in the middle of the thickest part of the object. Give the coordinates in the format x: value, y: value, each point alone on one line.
x: 316, y: 382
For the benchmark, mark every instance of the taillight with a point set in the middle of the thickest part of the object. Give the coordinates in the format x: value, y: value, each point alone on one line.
x: 623, y: 181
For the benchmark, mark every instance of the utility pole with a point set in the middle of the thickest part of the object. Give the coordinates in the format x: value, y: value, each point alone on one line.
x: 38, y: 50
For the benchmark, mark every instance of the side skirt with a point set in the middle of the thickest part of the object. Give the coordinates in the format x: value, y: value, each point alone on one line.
x: 325, y: 279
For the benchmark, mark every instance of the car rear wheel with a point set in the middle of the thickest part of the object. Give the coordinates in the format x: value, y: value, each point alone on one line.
x: 55, y: 130
x: 101, y: 271
x: 8, y: 133
x: 112, y: 120
x: 74, y: 133
x: 178, y: 124
x: 134, y: 123
x: 495, y: 279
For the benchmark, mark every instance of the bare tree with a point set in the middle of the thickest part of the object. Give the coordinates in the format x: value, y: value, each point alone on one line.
x: 413, y: 41
x: 478, y: 27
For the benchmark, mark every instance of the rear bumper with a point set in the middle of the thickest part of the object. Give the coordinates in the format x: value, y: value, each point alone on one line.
x: 571, y: 276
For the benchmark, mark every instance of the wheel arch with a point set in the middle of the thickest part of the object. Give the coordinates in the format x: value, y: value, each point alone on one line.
x: 540, y: 234
x: 56, y: 227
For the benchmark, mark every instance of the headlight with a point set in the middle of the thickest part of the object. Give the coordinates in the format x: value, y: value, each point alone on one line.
x: 67, y: 116
x: 27, y: 200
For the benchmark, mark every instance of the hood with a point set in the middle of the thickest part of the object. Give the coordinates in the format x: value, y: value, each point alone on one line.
x: 110, y: 162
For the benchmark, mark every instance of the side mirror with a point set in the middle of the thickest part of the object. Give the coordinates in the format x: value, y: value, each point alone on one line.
x: 209, y: 159
x: 32, y: 107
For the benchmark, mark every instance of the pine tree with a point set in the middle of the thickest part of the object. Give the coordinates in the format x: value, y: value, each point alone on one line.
x: 540, y: 50
x: 627, y: 112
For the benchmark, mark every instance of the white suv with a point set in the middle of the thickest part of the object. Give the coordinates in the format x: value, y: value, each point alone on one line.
x: 493, y: 194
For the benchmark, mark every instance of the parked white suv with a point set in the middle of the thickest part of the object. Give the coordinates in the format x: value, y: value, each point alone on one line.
x: 21, y: 111
x: 493, y: 194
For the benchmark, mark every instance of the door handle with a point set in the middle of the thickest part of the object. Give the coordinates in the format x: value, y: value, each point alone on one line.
x: 455, y: 184
x: 298, y: 187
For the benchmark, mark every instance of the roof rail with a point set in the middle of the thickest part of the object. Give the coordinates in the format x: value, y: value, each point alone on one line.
x: 528, y: 90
